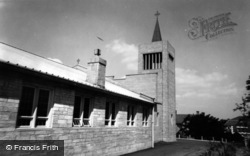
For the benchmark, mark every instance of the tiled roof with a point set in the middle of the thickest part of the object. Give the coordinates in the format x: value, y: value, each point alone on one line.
x: 231, y: 122
x: 237, y: 121
x: 30, y: 61
x: 180, y: 118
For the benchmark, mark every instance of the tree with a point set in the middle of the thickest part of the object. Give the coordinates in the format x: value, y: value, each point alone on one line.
x: 201, y: 125
x: 243, y: 107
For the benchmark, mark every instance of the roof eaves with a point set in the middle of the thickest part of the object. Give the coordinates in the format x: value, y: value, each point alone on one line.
x: 82, y: 83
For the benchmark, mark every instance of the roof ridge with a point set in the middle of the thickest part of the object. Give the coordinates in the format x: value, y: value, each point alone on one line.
x: 35, y: 54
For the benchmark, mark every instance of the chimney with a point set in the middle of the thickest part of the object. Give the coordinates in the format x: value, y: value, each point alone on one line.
x: 96, y: 70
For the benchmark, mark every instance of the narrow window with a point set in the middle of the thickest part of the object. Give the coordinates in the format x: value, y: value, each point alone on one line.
x: 144, y: 62
x: 131, y: 115
x: 110, y: 114
x: 42, y: 107
x: 150, y: 61
x: 153, y: 61
x: 145, y: 115
x: 128, y: 115
x: 26, y: 106
x: 160, y: 60
x: 171, y: 58
x: 77, y: 112
x: 172, y: 120
x: 113, y: 115
x: 82, y: 111
x: 157, y: 118
x: 34, y: 107
x: 86, y: 114
x: 107, y: 114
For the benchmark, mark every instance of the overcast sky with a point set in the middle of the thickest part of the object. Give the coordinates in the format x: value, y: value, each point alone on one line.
x: 210, y: 75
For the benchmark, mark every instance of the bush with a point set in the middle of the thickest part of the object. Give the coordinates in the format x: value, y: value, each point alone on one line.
x: 220, y: 149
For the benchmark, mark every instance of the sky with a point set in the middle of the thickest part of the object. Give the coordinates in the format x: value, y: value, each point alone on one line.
x: 210, y: 74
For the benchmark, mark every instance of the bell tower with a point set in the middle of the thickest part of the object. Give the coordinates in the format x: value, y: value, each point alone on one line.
x: 159, y: 57
x: 151, y: 55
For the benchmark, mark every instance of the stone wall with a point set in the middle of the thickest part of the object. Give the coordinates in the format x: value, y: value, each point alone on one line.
x: 140, y: 83
x: 88, y: 141
x: 149, y: 84
x: 165, y: 87
x: 9, y: 99
x: 171, y: 92
x: 96, y: 140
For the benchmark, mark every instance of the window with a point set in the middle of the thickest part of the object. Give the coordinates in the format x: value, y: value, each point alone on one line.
x: 34, y: 109
x: 145, y: 115
x: 172, y: 119
x: 131, y: 115
x: 82, y: 112
x: 157, y: 118
x: 171, y: 58
x: 152, y: 61
x: 110, y: 114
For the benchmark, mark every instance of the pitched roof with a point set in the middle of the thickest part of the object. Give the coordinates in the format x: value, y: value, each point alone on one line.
x: 231, y: 122
x: 180, y: 118
x: 30, y: 61
x: 236, y: 121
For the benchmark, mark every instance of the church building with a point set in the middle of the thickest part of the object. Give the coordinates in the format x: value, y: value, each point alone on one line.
x: 93, y: 113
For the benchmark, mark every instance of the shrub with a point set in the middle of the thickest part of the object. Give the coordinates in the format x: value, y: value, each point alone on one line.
x: 220, y: 149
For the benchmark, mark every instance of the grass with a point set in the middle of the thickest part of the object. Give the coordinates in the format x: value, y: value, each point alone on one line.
x: 183, y: 147
x: 225, y: 149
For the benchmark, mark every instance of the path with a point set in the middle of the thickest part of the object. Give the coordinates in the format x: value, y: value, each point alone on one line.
x: 179, y: 148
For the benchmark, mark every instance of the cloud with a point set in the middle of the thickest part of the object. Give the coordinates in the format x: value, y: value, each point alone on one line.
x: 56, y: 60
x: 192, y: 84
x: 128, y: 51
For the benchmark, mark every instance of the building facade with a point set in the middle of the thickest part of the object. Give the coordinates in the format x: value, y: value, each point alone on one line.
x: 156, y: 78
x: 95, y: 115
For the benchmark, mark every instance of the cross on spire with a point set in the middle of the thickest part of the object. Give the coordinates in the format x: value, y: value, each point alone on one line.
x: 157, y: 14
x: 78, y: 61
x: 157, y: 32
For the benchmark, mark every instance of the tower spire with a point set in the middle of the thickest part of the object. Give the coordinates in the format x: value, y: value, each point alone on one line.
x: 157, y: 32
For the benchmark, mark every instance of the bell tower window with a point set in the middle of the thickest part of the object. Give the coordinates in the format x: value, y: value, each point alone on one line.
x: 152, y: 61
